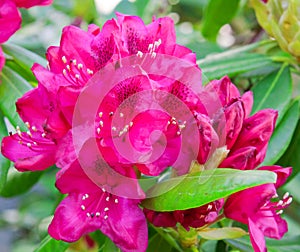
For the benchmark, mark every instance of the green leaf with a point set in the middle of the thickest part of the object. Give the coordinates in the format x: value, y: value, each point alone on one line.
x: 109, y: 246
x: 287, y: 244
x: 19, y: 182
x: 22, y: 56
x: 222, y: 233
x: 282, y: 135
x: 290, y: 157
x: 195, y: 190
x: 219, y: 65
x: 4, y: 162
x: 217, y: 14
x: 158, y: 243
x: 274, y: 91
x: 50, y: 245
x: 169, y: 235
x: 12, y: 87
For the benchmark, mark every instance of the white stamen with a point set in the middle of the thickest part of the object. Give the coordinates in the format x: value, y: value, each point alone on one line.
x: 178, y: 133
x: 64, y: 72
x: 77, y: 76
x: 150, y: 47
x: 121, y: 114
x: 153, y: 55
x: 68, y: 67
x: 43, y: 134
x: 289, y: 201
x: 98, y: 130
x: 34, y: 143
x: 107, y: 198
x: 105, y: 217
x: 17, y: 128
x: 139, y: 54
x: 90, y: 72
x: 286, y: 195
x: 88, y: 214
x: 113, y: 128
x: 74, y: 62
x: 111, y: 113
x: 27, y: 125
x: 101, y: 123
x: 280, y: 212
x: 28, y: 145
x: 34, y: 128
x: 279, y: 203
x: 130, y: 124
x: 116, y: 201
x: 106, y: 209
x: 100, y: 114
x: 80, y: 66
x: 97, y: 214
x: 83, y: 198
x: 275, y: 196
x: 103, y: 190
x: 86, y: 195
x: 29, y: 133
x: 209, y: 207
x: 83, y: 207
x: 64, y: 59
x: 174, y: 122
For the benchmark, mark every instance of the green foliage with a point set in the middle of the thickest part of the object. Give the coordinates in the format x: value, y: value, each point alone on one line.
x: 217, y: 14
x: 194, y: 190
x: 50, y: 245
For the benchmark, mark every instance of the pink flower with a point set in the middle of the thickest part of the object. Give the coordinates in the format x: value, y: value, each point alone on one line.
x: 30, y: 3
x: 89, y: 207
x: 2, y: 59
x: 247, y: 136
x: 194, y: 217
x: 10, y: 19
x: 261, y: 213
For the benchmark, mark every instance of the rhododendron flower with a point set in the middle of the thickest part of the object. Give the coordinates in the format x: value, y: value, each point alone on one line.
x: 2, y: 59
x: 256, y: 208
x: 194, y: 217
x: 10, y: 19
x: 247, y: 136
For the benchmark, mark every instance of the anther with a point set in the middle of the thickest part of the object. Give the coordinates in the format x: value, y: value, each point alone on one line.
x: 121, y: 114
x: 27, y: 125
x: 103, y: 190
x: 100, y: 114
x: 77, y: 76
x: 74, y: 62
x: 139, y: 54
x: 286, y: 195
x: 280, y: 203
x: 86, y: 195
x: 153, y: 55
x: 29, y: 133
x: 289, y: 201
x: 90, y: 72
x: 113, y: 128
x: 105, y: 217
x: 209, y: 207
x: 28, y: 145
x: 68, y: 67
x: 107, y: 198
x: 80, y: 66
x: 64, y: 72
x: 106, y: 209
x: 111, y: 113
x: 64, y: 59
x: 116, y: 201
x: 280, y: 212
x: 82, y: 207
x: 97, y: 214
x: 34, y: 128
x: 150, y: 46
x: 43, y: 134
x: 101, y: 123
x: 88, y: 214
x: 130, y: 124
x: 34, y: 143
x: 98, y: 130
x: 178, y: 133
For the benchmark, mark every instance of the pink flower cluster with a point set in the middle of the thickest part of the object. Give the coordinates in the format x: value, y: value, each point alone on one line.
x: 48, y: 112
x: 10, y: 18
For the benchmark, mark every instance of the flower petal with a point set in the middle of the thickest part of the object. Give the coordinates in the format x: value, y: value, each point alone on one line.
x: 29, y: 153
x: 257, y: 237
x: 10, y: 19
x: 30, y: 3
x: 123, y: 222
x: 282, y: 173
x: 247, y: 99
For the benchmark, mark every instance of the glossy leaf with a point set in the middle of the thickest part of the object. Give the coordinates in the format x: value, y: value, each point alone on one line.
x: 274, y: 91
x: 4, y: 163
x: 219, y: 65
x: 195, y: 190
x: 158, y: 243
x: 222, y: 233
x: 12, y: 87
x: 50, y: 245
x: 19, y: 182
x: 282, y: 135
x: 22, y: 56
x: 223, y: 10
